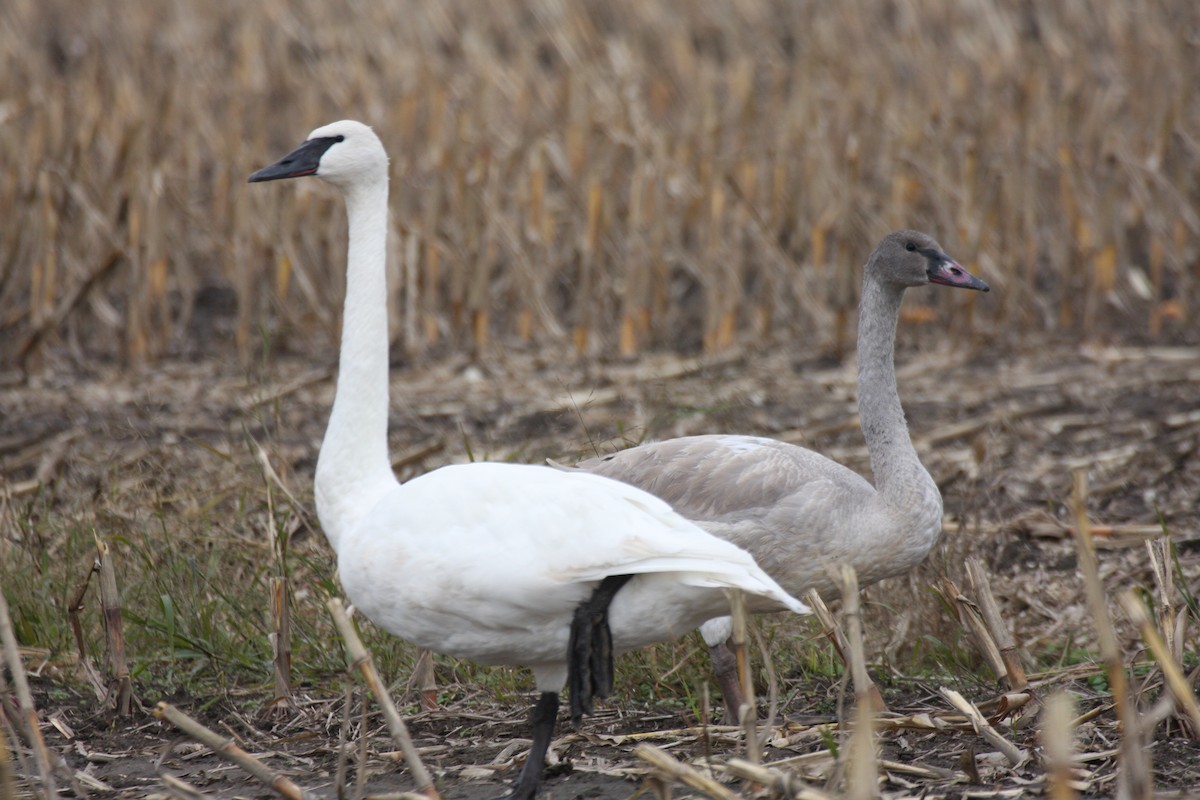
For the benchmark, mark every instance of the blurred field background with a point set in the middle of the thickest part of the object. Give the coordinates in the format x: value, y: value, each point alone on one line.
x: 619, y: 176
x: 610, y: 219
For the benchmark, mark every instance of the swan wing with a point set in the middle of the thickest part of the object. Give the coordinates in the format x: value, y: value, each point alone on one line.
x: 724, y: 478
x: 495, y: 553
x: 577, y: 527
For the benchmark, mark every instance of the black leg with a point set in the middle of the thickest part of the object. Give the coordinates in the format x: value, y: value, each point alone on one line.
x: 590, y: 654
x: 544, y: 715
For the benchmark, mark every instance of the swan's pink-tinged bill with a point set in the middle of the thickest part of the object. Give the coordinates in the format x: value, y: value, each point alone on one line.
x: 951, y: 273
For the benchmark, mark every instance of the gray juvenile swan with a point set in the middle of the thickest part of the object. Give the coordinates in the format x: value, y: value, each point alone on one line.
x: 796, y: 511
x: 498, y: 563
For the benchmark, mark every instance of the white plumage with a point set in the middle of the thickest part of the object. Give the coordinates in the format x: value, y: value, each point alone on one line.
x: 488, y: 562
x: 492, y: 562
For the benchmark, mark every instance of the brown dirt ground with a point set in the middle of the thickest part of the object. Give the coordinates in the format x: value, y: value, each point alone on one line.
x: 1000, y: 433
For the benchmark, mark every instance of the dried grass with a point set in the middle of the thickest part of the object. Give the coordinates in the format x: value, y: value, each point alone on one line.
x: 577, y: 180
x: 618, y: 175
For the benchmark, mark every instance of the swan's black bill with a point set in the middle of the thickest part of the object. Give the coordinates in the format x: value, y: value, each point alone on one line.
x: 949, y: 272
x: 304, y: 160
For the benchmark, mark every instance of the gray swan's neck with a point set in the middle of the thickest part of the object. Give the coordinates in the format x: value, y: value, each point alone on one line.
x: 353, y: 468
x: 898, y: 472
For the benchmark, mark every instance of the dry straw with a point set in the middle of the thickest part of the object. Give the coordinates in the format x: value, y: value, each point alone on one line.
x: 281, y: 641
x: 1176, y: 681
x: 1134, y: 779
x: 361, y: 660
x: 841, y: 646
x: 681, y: 772
x: 227, y: 749
x: 8, y: 783
x: 1057, y: 742
x: 180, y: 789
x: 862, y: 769
x: 425, y: 680
x: 28, y: 712
x: 1013, y: 671
x: 748, y: 713
x: 606, y: 177
x: 121, y: 689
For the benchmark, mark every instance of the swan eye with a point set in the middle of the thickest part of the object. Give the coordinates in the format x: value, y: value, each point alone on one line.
x: 339, y: 138
x: 910, y: 247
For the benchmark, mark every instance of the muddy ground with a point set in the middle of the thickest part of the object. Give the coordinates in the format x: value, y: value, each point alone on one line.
x: 1001, y: 433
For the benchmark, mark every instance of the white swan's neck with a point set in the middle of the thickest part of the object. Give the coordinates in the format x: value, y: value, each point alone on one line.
x: 353, y: 469
x: 900, y: 478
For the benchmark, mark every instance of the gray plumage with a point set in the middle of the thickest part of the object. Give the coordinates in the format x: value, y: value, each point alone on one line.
x: 797, y: 512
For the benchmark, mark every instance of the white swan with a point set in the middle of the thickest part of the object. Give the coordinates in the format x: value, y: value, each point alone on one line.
x: 796, y: 511
x: 498, y: 563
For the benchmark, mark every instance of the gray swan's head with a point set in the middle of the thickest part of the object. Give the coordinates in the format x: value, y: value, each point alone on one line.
x: 911, y: 258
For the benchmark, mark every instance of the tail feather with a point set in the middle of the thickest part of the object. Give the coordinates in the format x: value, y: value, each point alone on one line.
x: 704, y: 573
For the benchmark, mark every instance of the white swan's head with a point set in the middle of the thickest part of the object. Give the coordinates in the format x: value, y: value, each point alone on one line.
x: 911, y: 258
x: 344, y: 153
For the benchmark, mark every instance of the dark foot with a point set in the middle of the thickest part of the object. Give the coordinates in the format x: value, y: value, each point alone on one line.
x: 590, y: 656
x: 725, y: 665
x: 544, y: 715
